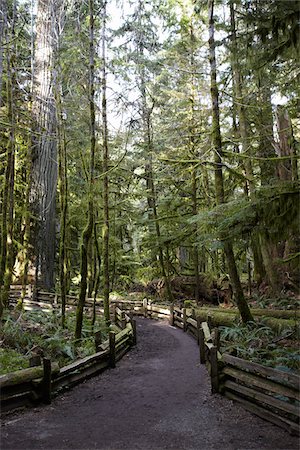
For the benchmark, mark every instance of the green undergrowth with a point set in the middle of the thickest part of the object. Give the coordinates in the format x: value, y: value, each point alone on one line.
x: 24, y: 334
x: 282, y: 302
x: 258, y: 343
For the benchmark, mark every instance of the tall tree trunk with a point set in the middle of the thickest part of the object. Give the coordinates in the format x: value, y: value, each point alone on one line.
x: 148, y: 145
x: 219, y: 183
x: 105, y: 233
x: 3, y: 21
x: 195, y: 248
x: 63, y: 196
x: 44, y: 173
x: 29, y: 165
x: 268, y: 248
x: 192, y: 145
x: 88, y: 230
x: 7, y: 247
x: 239, y: 102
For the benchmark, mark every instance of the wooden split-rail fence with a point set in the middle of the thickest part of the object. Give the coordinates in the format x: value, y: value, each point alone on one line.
x: 45, y: 379
x: 269, y: 393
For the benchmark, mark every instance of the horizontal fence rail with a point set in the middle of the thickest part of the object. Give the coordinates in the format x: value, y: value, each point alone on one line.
x: 269, y: 393
x: 45, y: 380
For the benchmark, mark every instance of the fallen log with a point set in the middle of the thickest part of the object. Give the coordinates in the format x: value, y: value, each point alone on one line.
x: 220, y: 318
x: 257, y: 312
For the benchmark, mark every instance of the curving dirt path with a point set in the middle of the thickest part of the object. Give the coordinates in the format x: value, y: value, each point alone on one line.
x: 158, y: 397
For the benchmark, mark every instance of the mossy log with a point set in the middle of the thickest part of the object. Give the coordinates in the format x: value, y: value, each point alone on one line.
x: 220, y: 318
x: 25, y: 375
x: 257, y: 312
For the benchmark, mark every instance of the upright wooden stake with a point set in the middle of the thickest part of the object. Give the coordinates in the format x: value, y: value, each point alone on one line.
x: 112, y: 349
x: 201, y: 345
x: 209, y: 321
x: 214, y: 370
x: 98, y: 340
x: 145, y: 304
x: 171, y: 318
x: 216, y: 338
x: 133, y: 324
x: 184, y: 319
x: 123, y: 320
x: 46, y: 384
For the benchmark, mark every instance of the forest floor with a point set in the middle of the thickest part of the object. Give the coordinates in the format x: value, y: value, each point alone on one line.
x: 158, y: 397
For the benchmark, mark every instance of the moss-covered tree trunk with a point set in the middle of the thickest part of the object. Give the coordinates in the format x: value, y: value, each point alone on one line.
x: 269, y: 249
x: 105, y: 230
x: 7, y: 247
x: 97, y: 272
x: 63, y: 197
x: 195, y: 248
x: 219, y: 183
x: 88, y: 230
x: 239, y: 102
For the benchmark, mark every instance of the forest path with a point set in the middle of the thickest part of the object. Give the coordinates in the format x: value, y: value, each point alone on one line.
x: 156, y: 398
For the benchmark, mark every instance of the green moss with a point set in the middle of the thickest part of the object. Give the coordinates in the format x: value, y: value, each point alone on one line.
x: 11, y: 360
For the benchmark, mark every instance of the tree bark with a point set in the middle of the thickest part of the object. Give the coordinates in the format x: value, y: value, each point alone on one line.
x: 3, y: 21
x: 105, y: 231
x: 219, y: 183
x: 288, y: 168
x: 239, y: 101
x: 44, y: 172
x: 7, y: 247
x: 87, y: 232
x: 63, y: 196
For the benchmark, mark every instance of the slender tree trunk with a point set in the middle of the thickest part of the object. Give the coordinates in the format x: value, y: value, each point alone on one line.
x: 87, y: 232
x: 3, y: 21
x: 105, y: 232
x: 195, y: 248
x: 148, y: 145
x: 192, y: 145
x: 7, y: 247
x: 29, y: 166
x: 97, y: 277
x: 219, y: 183
x: 239, y: 101
x: 63, y: 197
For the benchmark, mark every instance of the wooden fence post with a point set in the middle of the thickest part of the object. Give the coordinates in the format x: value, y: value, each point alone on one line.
x: 171, y: 318
x: 213, y: 354
x: 123, y: 320
x: 145, y: 304
x: 98, y: 340
x: 209, y: 321
x: 201, y: 345
x: 216, y: 338
x: 184, y: 319
x: 46, y: 383
x: 113, y: 312
x: 112, y: 349
x: 133, y: 324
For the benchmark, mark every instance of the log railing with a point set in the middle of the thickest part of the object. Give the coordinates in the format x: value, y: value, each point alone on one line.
x: 266, y: 392
x: 41, y: 383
